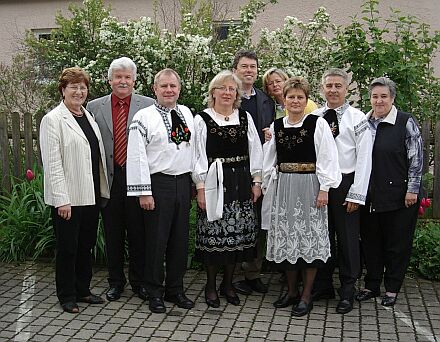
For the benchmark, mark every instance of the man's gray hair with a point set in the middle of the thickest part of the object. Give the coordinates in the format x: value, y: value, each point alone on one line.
x: 336, y: 72
x: 123, y: 63
x: 383, y: 81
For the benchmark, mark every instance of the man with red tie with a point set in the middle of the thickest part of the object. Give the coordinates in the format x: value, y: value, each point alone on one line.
x: 122, y: 215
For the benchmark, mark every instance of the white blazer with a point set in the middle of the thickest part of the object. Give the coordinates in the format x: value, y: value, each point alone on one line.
x: 67, y: 161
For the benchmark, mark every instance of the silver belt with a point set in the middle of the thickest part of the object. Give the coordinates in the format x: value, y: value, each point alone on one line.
x: 229, y: 159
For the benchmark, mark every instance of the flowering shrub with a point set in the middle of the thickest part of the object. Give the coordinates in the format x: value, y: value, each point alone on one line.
x: 194, y: 52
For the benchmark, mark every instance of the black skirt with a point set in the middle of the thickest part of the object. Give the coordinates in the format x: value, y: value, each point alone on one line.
x: 232, y: 238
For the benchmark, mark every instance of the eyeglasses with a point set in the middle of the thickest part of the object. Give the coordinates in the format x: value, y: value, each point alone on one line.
x: 227, y: 89
x: 76, y: 88
x: 273, y: 83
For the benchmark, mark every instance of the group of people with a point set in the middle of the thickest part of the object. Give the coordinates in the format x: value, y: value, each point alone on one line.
x: 307, y: 191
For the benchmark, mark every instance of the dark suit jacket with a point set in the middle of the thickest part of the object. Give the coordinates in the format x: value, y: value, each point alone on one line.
x: 102, y: 110
x: 265, y: 112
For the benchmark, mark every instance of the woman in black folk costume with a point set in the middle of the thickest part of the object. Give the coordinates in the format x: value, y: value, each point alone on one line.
x: 227, y: 175
x: 300, y: 165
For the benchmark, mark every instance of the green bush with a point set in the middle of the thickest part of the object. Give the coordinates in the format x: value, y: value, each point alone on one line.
x: 25, y: 224
x: 425, y: 258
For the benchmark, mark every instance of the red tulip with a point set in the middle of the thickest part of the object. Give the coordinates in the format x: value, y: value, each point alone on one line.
x: 423, y: 202
x: 29, y: 175
x: 428, y: 203
x: 421, y: 211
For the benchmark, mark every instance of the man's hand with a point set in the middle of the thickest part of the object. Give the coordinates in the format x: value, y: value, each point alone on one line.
x: 146, y: 202
x: 267, y: 134
x: 351, y: 206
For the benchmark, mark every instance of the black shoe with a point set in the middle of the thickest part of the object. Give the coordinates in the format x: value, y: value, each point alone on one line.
x: 286, y: 300
x: 114, y: 293
x: 323, y: 294
x: 70, y: 307
x: 388, y: 300
x: 257, y: 285
x: 90, y: 299
x: 141, y: 292
x: 234, y: 300
x: 213, y: 303
x: 242, y: 287
x: 344, y: 306
x: 180, y: 300
x: 363, y: 295
x: 156, y: 305
x: 302, y: 308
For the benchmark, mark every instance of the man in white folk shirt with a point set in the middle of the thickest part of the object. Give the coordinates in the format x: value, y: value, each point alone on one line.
x: 159, y: 162
x: 353, y: 140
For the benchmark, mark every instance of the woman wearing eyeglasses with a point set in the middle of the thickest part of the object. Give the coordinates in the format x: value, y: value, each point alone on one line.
x: 273, y: 83
x: 229, y: 161
x: 74, y: 181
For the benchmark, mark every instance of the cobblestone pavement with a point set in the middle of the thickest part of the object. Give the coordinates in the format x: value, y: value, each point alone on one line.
x: 29, y: 311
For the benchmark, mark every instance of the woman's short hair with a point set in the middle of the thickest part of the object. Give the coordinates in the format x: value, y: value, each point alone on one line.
x: 383, y: 81
x: 73, y: 75
x: 268, y: 73
x: 297, y: 82
x: 218, y: 81
x: 123, y: 63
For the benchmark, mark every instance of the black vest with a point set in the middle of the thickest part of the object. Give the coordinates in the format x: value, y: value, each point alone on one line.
x: 226, y: 141
x: 296, y: 144
x: 389, y: 172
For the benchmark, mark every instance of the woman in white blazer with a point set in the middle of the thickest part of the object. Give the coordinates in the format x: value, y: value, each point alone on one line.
x: 74, y: 181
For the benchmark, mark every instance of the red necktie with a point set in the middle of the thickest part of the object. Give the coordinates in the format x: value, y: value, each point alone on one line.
x: 120, y: 135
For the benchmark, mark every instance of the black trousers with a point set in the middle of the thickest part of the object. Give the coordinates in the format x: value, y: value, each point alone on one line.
x: 123, y: 217
x: 344, y: 230
x: 386, y: 244
x: 166, y: 234
x: 75, y: 239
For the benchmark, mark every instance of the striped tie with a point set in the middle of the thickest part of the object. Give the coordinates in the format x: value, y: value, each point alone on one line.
x: 120, y: 135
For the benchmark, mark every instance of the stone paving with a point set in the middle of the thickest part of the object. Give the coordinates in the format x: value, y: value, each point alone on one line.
x: 29, y: 311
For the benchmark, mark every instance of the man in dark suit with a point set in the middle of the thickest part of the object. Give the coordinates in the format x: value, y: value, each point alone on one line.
x: 122, y: 215
x: 262, y: 109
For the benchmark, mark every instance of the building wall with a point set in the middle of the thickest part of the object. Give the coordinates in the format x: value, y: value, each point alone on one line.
x: 16, y: 16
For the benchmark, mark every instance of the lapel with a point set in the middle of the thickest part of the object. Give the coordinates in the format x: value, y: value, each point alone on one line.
x: 135, y: 106
x: 259, y: 108
x: 70, y: 120
x: 106, y: 112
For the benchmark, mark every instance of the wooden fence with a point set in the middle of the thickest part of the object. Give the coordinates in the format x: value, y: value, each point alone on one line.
x: 20, y: 150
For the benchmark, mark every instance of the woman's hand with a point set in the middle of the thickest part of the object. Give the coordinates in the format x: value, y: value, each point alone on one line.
x: 267, y: 134
x: 410, y: 199
x: 201, y: 200
x: 256, y: 192
x: 322, y: 199
x: 146, y: 202
x: 65, y: 211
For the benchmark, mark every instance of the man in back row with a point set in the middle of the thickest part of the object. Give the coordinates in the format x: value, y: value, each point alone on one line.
x: 262, y: 109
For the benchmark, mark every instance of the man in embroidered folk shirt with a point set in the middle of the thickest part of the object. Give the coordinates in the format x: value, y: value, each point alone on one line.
x: 159, y: 162
x: 262, y: 109
x: 122, y: 215
x: 353, y: 140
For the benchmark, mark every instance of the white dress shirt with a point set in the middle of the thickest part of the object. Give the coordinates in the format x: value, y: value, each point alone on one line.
x: 354, y: 145
x: 151, y: 151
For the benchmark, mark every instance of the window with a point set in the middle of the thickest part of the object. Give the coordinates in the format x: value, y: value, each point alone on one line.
x: 221, y: 28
